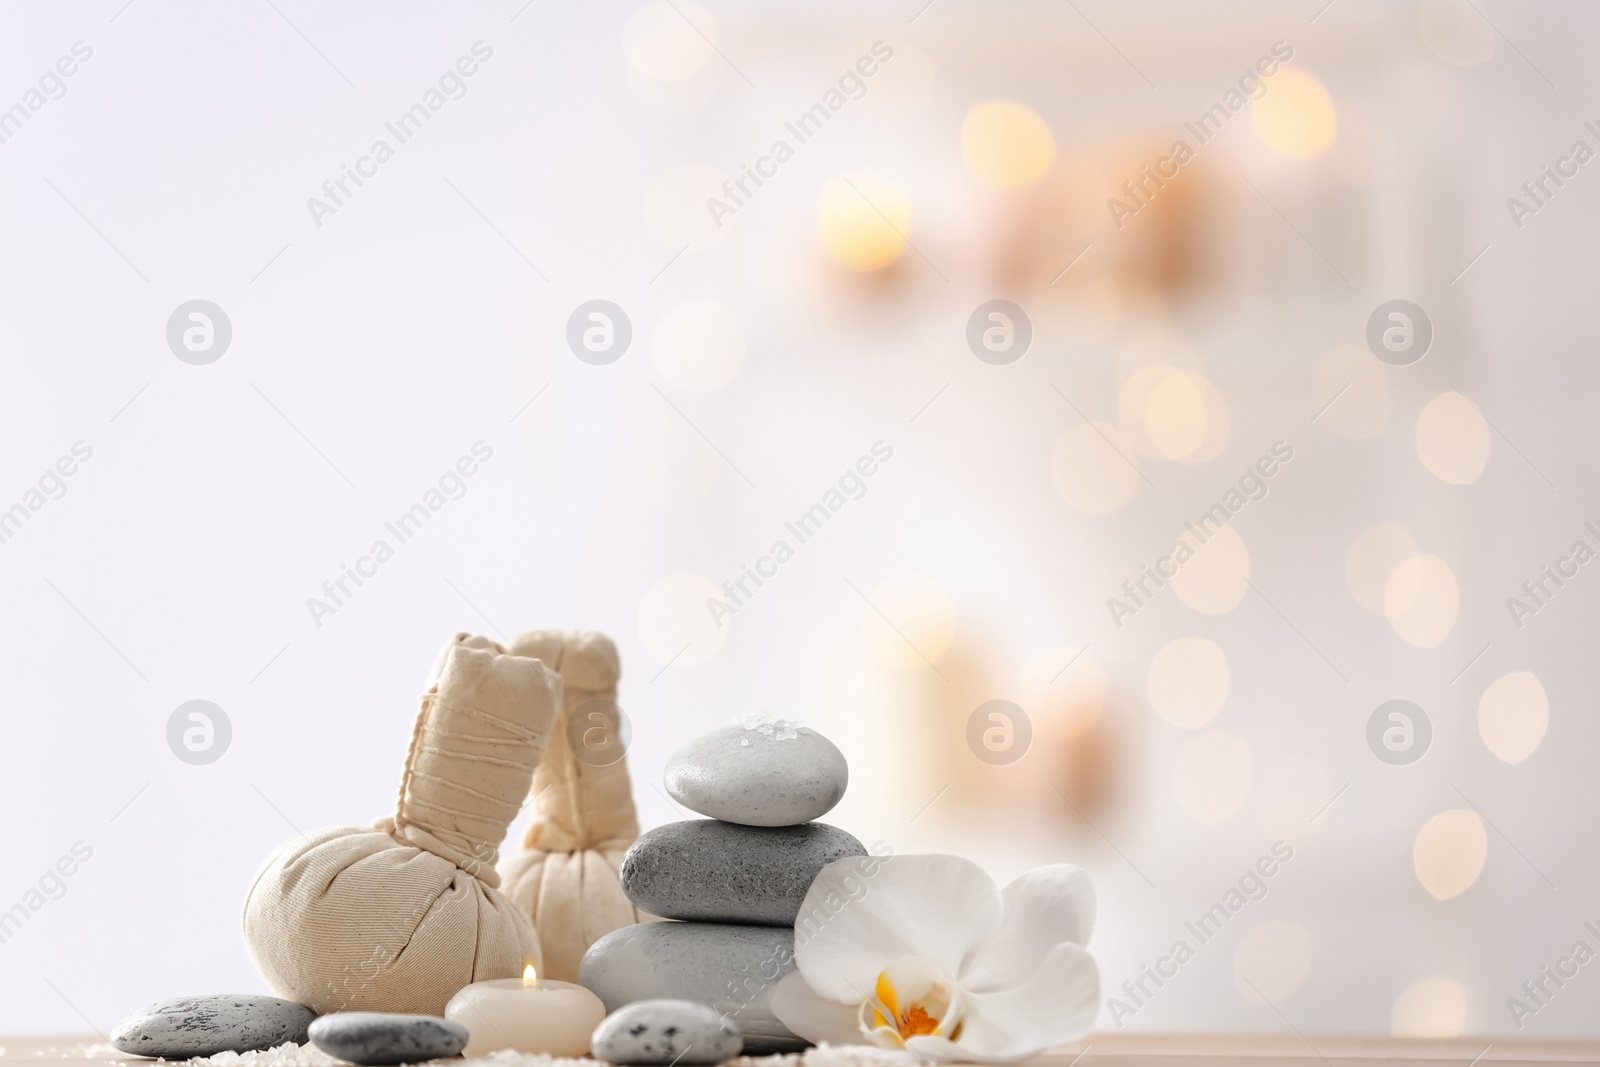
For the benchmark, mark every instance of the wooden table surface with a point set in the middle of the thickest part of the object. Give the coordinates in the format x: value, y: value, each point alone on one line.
x: 1293, y: 1050
x: 1124, y: 1050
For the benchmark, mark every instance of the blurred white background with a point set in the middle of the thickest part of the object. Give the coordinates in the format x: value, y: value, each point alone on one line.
x: 429, y: 313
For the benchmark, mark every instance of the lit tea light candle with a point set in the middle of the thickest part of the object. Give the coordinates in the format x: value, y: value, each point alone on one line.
x: 526, y: 1014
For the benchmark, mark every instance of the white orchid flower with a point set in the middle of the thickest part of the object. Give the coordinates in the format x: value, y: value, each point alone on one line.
x: 926, y: 954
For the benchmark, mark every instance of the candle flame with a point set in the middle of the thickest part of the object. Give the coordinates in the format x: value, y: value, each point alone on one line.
x: 530, y: 975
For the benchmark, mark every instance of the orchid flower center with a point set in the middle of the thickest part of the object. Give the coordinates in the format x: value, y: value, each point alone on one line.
x: 912, y: 998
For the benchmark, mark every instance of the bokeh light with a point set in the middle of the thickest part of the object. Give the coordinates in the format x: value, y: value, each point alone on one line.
x: 1373, y: 557
x: 1176, y: 415
x: 1296, y: 116
x: 1188, y: 681
x: 670, y: 40
x: 699, y: 345
x: 1449, y: 853
x: 1172, y: 414
x: 1513, y: 714
x: 806, y: 214
x: 1422, y: 600
x: 863, y: 222
x: 1453, y: 439
x: 1350, y: 389
x: 1433, y: 1007
x: 1092, y: 468
x: 1215, y: 580
x: 1006, y: 144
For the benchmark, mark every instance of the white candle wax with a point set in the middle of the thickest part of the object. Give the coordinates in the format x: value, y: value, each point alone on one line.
x: 528, y: 1014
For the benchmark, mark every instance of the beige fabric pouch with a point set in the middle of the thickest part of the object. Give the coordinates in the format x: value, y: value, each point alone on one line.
x: 399, y: 917
x: 565, y: 878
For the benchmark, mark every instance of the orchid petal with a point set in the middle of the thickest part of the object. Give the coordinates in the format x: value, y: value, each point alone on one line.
x: 852, y: 924
x: 798, y: 1007
x: 930, y: 1049
x: 1056, y: 1004
x: 1043, y: 908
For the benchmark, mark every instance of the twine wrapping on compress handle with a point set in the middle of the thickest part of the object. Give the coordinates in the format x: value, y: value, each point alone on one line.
x: 565, y: 876
x: 468, y: 770
x: 580, y: 803
x: 400, y: 916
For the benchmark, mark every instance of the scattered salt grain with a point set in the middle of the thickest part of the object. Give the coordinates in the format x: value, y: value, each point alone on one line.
x: 292, y: 1055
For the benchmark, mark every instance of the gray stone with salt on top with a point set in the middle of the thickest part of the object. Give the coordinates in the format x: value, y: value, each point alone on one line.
x: 761, y: 772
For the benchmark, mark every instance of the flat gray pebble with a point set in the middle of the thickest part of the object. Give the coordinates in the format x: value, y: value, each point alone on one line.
x: 660, y: 1032
x: 776, y: 773
x: 709, y: 871
x: 377, y: 1038
x: 203, y: 1026
x: 731, y: 969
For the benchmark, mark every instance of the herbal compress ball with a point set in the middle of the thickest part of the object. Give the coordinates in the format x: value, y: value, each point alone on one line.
x: 399, y: 917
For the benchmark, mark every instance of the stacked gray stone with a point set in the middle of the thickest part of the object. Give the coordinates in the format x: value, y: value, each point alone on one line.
x: 730, y: 886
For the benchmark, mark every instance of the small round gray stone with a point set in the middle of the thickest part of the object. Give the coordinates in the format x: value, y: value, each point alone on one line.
x: 378, y: 1039
x: 661, y: 1032
x: 759, y: 773
x: 204, y: 1026
x: 704, y: 870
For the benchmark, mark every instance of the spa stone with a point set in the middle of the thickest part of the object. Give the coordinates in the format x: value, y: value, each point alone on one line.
x: 731, y: 969
x: 379, y: 1039
x: 759, y: 773
x: 656, y: 1033
x: 720, y: 872
x: 203, y: 1026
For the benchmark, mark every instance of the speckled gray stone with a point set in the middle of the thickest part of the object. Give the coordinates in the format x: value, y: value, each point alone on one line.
x: 203, y: 1026
x: 760, y: 773
x: 720, y: 872
x: 380, y: 1038
x: 661, y: 1032
x: 732, y: 969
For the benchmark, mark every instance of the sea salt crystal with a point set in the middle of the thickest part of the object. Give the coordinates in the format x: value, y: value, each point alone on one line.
x: 773, y: 727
